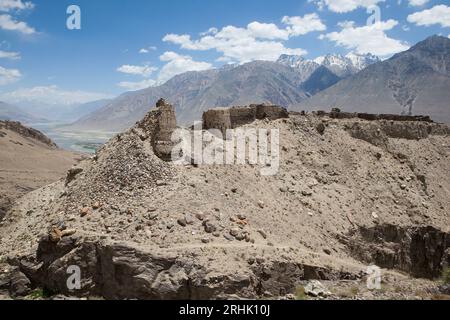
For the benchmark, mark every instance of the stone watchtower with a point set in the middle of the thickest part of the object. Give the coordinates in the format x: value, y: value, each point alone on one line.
x: 166, y: 124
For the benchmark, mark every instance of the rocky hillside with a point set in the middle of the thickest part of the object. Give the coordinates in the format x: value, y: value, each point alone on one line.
x: 28, y: 160
x: 351, y: 190
x: 11, y: 112
x: 411, y: 82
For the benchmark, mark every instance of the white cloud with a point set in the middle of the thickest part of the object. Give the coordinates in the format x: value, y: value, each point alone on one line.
x: 51, y: 95
x: 8, y: 76
x: 133, y: 86
x: 302, y: 25
x: 439, y: 14
x: 177, y: 64
x: 211, y: 31
x: 267, y: 31
x: 8, y: 5
x: 9, y: 55
x: 343, y: 6
x: 258, y: 41
x: 144, y: 71
x: 418, y: 3
x: 147, y: 50
x: 368, y: 39
x: 9, y: 23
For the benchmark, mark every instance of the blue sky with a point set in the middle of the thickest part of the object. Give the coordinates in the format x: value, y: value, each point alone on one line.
x: 125, y: 45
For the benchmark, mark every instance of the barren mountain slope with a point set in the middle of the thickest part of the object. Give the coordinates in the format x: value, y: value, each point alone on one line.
x: 193, y: 93
x: 416, y: 81
x: 362, y: 192
x: 28, y: 160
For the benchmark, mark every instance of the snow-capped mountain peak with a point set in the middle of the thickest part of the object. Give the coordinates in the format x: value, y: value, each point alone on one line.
x: 342, y: 66
x: 304, y: 66
x: 362, y: 61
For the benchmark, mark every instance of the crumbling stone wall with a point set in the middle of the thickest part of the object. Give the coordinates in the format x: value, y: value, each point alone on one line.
x: 159, y: 124
x: 234, y: 117
x: 337, y: 114
x: 166, y: 124
x: 219, y: 118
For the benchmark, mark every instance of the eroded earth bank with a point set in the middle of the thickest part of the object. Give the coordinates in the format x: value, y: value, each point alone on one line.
x: 351, y: 190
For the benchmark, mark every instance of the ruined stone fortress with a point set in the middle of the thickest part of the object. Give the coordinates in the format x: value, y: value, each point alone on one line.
x: 234, y: 117
x: 161, y: 122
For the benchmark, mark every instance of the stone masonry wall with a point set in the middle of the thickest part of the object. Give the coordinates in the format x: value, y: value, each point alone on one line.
x: 231, y: 118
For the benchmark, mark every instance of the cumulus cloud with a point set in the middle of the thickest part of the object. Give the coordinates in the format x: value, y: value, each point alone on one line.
x: 8, y: 76
x: 52, y: 95
x: 133, y: 86
x: 257, y: 41
x: 343, y: 6
x: 147, y: 50
x: 177, y: 64
x: 439, y: 14
x: 9, y: 55
x: 418, y: 3
x: 299, y: 26
x: 9, y: 5
x: 9, y: 23
x: 368, y: 39
x: 144, y: 71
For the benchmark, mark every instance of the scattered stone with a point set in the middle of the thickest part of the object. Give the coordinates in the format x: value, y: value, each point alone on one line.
x: 241, y: 216
x: 55, y: 235
x: 96, y: 205
x: 262, y: 233
x: 234, y: 232
x: 228, y: 237
x: 316, y: 289
x: 188, y: 218
x: 160, y: 183
x: 320, y: 128
x: 210, y: 227
x: 85, y: 211
x: 200, y: 216
x: 182, y: 222
x: 72, y: 173
x: 327, y: 251
x: 261, y: 204
x: 375, y: 215
x: 205, y: 240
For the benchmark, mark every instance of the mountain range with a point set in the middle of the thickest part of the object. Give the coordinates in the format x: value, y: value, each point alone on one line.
x: 416, y: 81
x: 286, y: 82
x: 15, y: 113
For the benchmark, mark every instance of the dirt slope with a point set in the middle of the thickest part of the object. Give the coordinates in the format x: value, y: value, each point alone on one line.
x: 28, y: 161
x: 361, y: 192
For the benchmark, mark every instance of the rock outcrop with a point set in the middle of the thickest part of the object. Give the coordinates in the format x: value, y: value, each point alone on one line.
x: 27, y: 132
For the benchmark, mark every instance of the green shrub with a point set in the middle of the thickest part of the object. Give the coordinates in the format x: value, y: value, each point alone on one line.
x: 446, y: 276
x: 40, y: 294
x: 300, y: 293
